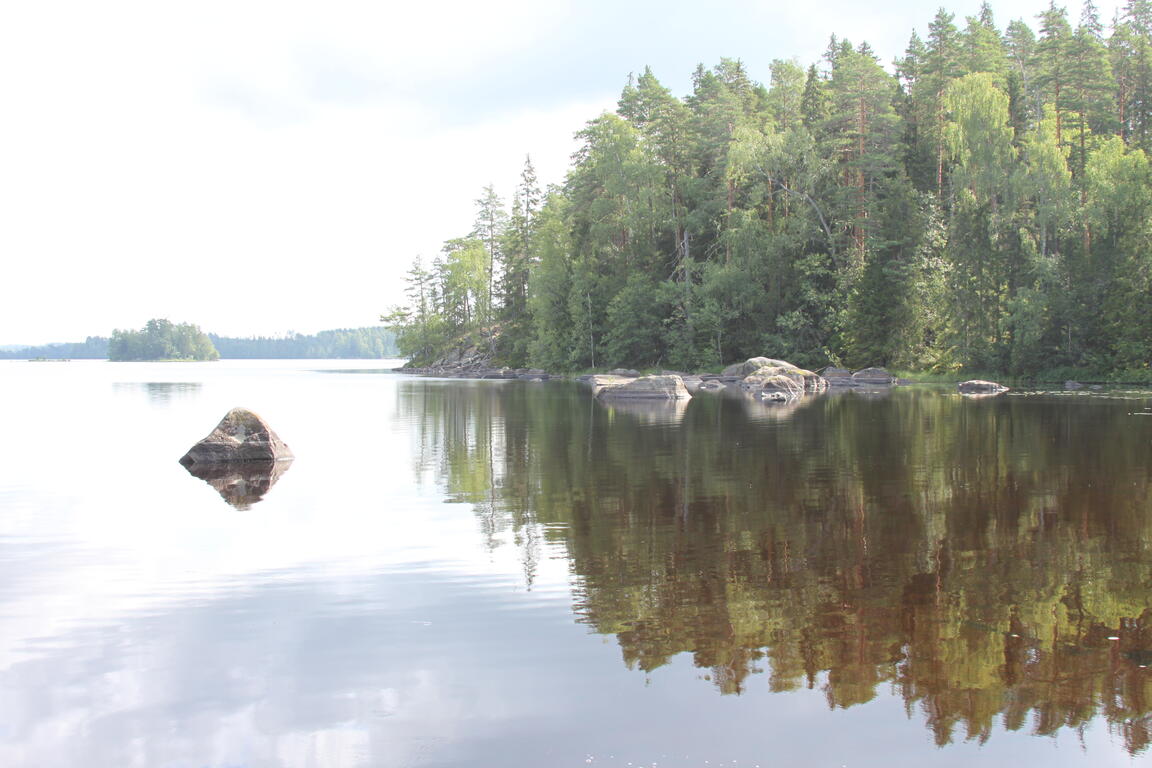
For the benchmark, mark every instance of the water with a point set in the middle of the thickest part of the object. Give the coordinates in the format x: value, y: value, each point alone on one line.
x: 460, y: 573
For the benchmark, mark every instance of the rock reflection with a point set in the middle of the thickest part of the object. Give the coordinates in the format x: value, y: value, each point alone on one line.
x: 648, y: 411
x: 986, y: 559
x: 241, y: 484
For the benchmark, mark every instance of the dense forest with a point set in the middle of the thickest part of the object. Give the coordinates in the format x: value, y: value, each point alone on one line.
x: 984, y: 205
x: 340, y: 343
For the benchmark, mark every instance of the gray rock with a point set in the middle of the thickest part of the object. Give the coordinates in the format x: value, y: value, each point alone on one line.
x: 598, y: 382
x: 1073, y: 385
x: 980, y: 387
x: 753, y: 364
x: 692, y: 383
x: 712, y: 386
x: 241, y: 436
x: 873, y: 377
x: 625, y: 372
x: 832, y: 373
x: 809, y: 382
x: 648, y: 388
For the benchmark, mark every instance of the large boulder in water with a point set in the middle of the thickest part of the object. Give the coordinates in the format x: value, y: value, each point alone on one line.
x: 647, y: 388
x: 808, y: 381
x: 753, y: 364
x: 241, y: 436
x: 980, y: 387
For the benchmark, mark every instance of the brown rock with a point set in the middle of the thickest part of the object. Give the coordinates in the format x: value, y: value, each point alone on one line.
x: 241, y: 436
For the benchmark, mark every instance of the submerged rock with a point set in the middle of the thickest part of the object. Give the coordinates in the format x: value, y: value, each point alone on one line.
x: 980, y: 387
x: 647, y: 388
x: 241, y: 436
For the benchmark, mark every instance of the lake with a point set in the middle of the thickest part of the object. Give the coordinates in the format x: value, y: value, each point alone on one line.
x: 490, y: 573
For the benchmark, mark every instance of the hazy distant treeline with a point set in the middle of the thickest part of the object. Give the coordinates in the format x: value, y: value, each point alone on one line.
x: 92, y: 348
x: 339, y: 343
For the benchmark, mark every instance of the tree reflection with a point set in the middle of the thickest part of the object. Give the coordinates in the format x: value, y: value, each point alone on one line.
x: 990, y: 560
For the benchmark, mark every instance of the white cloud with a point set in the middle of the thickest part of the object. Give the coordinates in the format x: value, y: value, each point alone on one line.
x: 257, y: 167
x: 253, y: 168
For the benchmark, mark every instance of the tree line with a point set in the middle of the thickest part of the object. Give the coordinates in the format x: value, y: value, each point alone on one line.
x: 341, y: 343
x: 985, y: 206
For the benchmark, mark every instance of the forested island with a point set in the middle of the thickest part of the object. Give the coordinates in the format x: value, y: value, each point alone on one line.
x: 341, y: 343
x: 984, y: 206
x: 161, y: 340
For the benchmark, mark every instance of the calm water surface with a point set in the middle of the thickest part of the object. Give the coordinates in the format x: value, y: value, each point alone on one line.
x: 506, y: 574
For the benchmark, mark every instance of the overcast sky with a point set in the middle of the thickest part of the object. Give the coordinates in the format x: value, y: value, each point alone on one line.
x: 262, y: 167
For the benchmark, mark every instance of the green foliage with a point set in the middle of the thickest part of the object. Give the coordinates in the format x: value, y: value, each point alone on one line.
x: 161, y: 340
x: 984, y: 208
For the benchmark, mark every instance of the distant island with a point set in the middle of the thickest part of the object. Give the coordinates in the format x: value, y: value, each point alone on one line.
x: 161, y: 340
x: 341, y: 343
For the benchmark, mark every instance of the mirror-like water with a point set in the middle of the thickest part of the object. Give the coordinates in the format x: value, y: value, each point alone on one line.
x: 510, y: 574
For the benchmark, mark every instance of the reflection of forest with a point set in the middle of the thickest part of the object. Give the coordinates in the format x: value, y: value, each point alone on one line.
x: 990, y: 560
